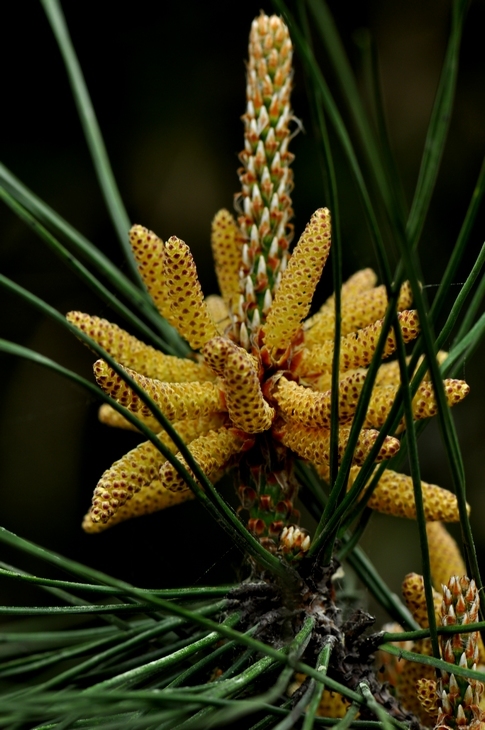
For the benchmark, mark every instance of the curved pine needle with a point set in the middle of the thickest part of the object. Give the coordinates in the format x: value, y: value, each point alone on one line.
x: 91, y: 128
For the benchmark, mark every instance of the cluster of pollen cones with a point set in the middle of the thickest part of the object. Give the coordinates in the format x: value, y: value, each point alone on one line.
x: 441, y: 699
x: 256, y: 392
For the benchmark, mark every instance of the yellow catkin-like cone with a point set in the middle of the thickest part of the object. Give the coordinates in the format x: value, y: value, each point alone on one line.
x: 357, y: 349
x: 151, y: 498
x: 148, y: 251
x: 314, y: 444
x: 394, y: 495
x: 189, y: 312
x: 355, y: 285
x: 227, y: 241
x: 408, y: 679
x: 244, y: 399
x: 219, y: 312
x: 132, y: 353
x: 388, y: 373
x: 298, y: 403
x: 415, y: 599
x: 357, y: 312
x: 215, y: 354
x: 389, y: 666
x: 428, y: 698
x: 246, y: 406
x: 424, y: 402
x: 444, y: 555
x: 176, y: 400
x: 140, y: 466
x: 295, y: 292
x: 110, y: 417
x: 212, y: 451
x: 446, y: 560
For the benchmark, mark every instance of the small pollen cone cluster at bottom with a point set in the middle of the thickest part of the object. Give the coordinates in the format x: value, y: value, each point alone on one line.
x: 404, y: 675
x: 459, y: 698
x: 449, y: 701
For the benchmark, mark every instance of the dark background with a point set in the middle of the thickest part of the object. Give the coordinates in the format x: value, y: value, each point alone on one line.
x: 168, y: 86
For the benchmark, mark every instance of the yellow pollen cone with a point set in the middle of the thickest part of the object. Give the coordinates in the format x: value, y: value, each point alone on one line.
x: 141, y: 466
x: 415, y: 599
x: 110, y: 417
x: 176, y: 400
x: 227, y: 241
x: 245, y: 403
x: 215, y: 354
x: 357, y: 312
x: 295, y: 292
x: 148, y: 251
x: 132, y: 353
x: 313, y: 409
x: 394, y: 495
x: 219, y: 312
x: 138, y: 467
x: 151, y: 498
x: 314, y: 444
x: 412, y: 672
x: 428, y: 697
x: 357, y: 349
x: 212, y: 451
x: 190, y: 314
x: 444, y: 554
x: 355, y: 285
x: 424, y: 402
x: 244, y: 399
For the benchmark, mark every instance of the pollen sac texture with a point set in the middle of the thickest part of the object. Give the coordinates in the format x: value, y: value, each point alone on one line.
x: 295, y: 292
